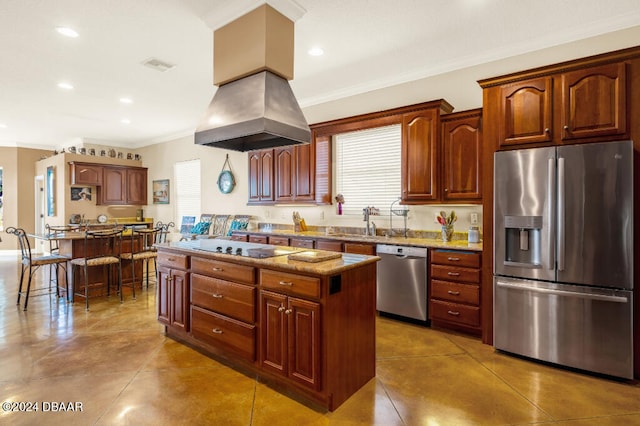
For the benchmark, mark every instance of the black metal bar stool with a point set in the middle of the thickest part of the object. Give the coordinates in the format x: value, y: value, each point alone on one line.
x: 142, y: 241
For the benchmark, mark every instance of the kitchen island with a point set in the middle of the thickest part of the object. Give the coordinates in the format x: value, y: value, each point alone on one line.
x: 305, y: 326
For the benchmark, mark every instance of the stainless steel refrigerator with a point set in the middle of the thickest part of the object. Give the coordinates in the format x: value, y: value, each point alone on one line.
x: 563, y: 255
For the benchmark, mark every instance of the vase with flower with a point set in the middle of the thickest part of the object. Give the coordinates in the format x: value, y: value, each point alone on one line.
x: 447, y: 222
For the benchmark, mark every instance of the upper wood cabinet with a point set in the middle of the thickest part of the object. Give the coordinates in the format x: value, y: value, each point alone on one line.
x: 291, y: 174
x: 261, y: 176
x: 462, y: 156
x: 564, y: 107
x: 419, y: 168
x: 594, y: 102
x: 123, y: 185
x: 526, y: 112
x: 85, y: 174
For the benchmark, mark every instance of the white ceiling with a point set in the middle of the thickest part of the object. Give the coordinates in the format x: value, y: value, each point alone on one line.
x: 422, y: 49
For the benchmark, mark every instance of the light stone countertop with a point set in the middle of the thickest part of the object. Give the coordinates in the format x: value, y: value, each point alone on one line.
x: 412, y: 242
x: 326, y: 268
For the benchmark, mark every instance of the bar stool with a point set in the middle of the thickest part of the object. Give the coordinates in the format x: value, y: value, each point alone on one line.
x: 142, y: 241
x: 51, y: 232
x: 31, y: 264
x: 101, y: 248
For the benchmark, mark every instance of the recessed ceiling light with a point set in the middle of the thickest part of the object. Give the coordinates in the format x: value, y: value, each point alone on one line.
x: 3, y: 126
x: 126, y: 100
x: 65, y: 31
x: 316, y: 51
x: 66, y: 86
x: 125, y: 121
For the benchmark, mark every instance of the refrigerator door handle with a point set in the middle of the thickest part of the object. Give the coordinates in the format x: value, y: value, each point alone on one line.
x: 551, y: 184
x: 561, y: 215
x: 601, y: 297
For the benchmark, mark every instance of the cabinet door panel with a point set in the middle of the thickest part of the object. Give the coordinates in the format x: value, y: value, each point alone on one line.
x: 304, y: 172
x: 462, y: 145
x: 114, y: 186
x: 179, y: 300
x: 266, y: 176
x: 273, y: 335
x: 284, y: 174
x: 304, y: 341
x: 526, y: 112
x: 594, y: 102
x: 419, y: 156
x: 254, y: 176
x: 136, y: 186
x: 85, y: 174
x: 163, y: 295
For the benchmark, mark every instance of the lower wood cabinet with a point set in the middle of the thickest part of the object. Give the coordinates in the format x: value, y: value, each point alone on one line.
x: 290, y: 337
x: 455, y: 278
x: 173, y: 297
x: 360, y: 248
x: 311, y: 333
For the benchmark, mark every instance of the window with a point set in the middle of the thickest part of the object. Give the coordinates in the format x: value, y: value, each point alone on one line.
x: 187, y: 188
x: 368, y: 168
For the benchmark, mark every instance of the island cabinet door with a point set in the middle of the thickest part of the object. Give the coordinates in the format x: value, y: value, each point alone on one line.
x: 164, y: 275
x: 179, y: 300
x: 273, y: 335
x: 173, y: 298
x: 290, y: 338
x: 303, y: 319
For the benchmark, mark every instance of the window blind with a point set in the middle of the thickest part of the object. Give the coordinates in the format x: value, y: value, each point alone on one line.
x: 368, y: 168
x: 187, y: 189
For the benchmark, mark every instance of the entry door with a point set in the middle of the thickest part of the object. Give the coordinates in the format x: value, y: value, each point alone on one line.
x: 39, y: 219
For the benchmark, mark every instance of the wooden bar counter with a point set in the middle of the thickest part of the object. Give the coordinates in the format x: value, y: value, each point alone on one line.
x: 306, y: 327
x: 71, y: 244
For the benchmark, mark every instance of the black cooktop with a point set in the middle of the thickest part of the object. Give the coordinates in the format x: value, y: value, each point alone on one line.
x: 239, y: 248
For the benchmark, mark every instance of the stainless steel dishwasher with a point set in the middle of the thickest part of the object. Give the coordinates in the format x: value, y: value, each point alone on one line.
x: 402, y: 281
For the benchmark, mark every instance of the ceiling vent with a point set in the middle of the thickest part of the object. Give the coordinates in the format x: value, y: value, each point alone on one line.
x: 157, y: 64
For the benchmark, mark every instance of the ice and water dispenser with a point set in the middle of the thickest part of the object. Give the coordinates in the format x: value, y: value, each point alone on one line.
x: 522, y: 245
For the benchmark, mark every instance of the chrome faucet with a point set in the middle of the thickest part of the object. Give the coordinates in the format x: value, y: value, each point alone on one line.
x: 371, y: 226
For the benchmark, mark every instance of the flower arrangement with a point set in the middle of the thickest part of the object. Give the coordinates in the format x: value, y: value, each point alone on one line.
x: 447, y: 222
x: 340, y: 201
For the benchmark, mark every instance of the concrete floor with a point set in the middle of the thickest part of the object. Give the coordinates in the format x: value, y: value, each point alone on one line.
x: 115, y: 361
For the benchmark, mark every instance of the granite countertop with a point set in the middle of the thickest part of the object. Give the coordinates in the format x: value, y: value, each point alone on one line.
x: 412, y: 242
x: 328, y: 267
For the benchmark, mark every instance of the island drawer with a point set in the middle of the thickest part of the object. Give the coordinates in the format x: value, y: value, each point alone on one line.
x: 290, y: 283
x: 453, y: 312
x: 448, y: 257
x: 301, y: 242
x: 279, y: 241
x: 454, y: 292
x: 220, y: 331
x: 172, y: 260
x: 224, y: 270
x: 231, y: 299
x: 449, y: 273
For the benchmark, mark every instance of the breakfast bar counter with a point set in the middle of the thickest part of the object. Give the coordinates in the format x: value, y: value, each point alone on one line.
x: 303, y: 320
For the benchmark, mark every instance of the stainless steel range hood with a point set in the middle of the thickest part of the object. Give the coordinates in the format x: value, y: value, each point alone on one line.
x: 254, y: 112
x: 254, y: 107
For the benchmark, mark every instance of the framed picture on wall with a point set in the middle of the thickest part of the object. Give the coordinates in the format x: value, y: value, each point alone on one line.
x: 161, y: 191
x: 51, y: 191
x: 80, y: 194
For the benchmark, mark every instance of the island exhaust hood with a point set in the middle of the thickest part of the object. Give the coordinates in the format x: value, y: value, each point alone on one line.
x: 254, y: 106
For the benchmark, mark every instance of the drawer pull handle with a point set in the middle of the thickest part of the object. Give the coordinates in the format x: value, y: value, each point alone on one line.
x: 218, y: 269
x: 288, y: 311
x: 217, y: 296
x: 453, y: 313
x: 281, y: 308
x: 453, y: 274
x: 171, y: 259
x: 289, y: 283
x: 453, y: 259
x: 455, y: 293
x: 217, y: 331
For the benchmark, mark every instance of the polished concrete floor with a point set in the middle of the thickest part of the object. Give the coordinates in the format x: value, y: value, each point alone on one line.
x: 115, y: 361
